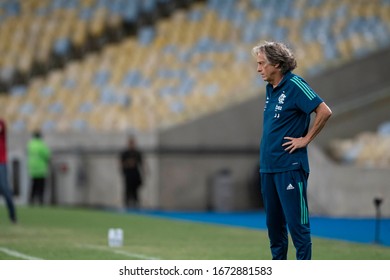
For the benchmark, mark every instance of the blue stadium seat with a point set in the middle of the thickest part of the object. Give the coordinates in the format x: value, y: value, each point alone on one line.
x: 146, y: 35
x: 56, y: 108
x: 86, y: 107
x: 26, y: 109
x: 48, y: 125
x: 62, y: 46
x: 80, y: 125
x: 101, y: 78
x: 18, y: 90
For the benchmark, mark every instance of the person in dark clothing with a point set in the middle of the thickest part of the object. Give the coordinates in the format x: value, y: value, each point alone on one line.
x: 284, y: 162
x: 132, y: 170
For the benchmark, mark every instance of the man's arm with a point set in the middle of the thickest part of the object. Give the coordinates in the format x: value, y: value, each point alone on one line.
x: 323, y: 113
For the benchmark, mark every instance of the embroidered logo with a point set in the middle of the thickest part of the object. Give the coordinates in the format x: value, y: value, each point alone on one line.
x: 278, y: 108
x: 290, y: 187
x: 281, y: 98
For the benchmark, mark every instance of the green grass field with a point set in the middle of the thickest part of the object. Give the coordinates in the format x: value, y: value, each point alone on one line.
x: 80, y: 234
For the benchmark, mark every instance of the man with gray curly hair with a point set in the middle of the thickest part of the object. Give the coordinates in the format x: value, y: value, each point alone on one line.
x: 284, y: 165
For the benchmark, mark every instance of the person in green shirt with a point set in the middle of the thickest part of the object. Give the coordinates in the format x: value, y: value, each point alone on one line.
x: 38, y: 166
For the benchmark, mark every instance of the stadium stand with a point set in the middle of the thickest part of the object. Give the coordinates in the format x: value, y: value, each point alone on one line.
x: 161, y: 78
x: 368, y: 149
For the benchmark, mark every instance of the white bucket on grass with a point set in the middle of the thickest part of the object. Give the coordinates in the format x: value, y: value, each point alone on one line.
x: 115, y: 237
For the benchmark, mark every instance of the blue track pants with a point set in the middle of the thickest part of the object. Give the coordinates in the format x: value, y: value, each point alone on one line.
x: 6, y: 192
x: 285, y: 203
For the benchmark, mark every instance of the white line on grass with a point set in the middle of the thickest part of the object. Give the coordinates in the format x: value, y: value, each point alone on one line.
x: 17, y: 254
x: 120, y: 252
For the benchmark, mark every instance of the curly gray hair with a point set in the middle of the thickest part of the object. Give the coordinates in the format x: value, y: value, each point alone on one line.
x: 277, y: 53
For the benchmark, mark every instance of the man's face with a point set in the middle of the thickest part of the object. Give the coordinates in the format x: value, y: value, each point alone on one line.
x: 266, y: 70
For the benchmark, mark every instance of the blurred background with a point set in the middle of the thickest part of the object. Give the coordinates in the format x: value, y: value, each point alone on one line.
x: 179, y: 76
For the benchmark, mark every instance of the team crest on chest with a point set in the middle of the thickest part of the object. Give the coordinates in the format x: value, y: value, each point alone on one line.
x: 281, y: 98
